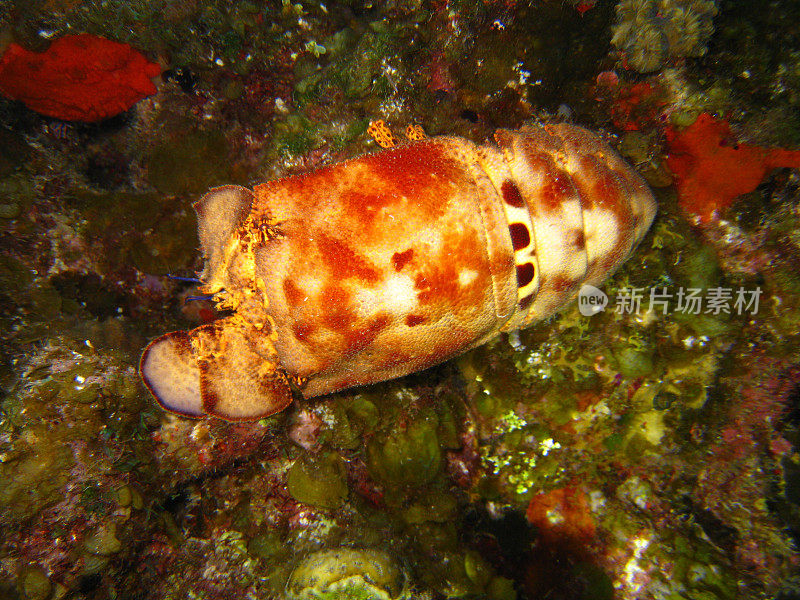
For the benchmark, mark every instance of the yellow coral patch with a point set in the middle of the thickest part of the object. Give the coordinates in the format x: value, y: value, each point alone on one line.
x: 415, y: 132
x: 379, y: 132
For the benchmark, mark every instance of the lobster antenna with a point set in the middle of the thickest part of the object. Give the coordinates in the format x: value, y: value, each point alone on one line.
x: 192, y: 298
x: 186, y: 279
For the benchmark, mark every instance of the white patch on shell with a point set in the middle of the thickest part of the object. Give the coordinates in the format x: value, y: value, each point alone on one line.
x: 397, y: 295
x: 466, y: 277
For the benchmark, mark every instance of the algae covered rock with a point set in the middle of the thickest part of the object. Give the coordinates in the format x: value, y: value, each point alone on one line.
x: 348, y: 574
x: 103, y: 540
x: 34, y: 584
x: 634, y: 362
x: 407, y: 456
x: 319, y: 481
x: 34, y: 477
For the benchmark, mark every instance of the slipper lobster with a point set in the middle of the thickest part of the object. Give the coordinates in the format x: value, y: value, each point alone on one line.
x: 389, y: 263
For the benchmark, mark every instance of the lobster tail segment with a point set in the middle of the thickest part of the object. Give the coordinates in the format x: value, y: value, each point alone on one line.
x: 575, y: 212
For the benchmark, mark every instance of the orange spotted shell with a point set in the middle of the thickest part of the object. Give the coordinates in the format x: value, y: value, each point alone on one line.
x: 390, y: 263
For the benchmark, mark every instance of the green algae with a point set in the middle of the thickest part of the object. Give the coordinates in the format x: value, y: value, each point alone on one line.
x: 320, y: 481
x: 477, y: 569
x: 354, y: 73
x: 433, y: 505
x: 268, y: 545
x: 34, y: 584
x: 17, y: 195
x: 635, y: 362
x: 103, y: 540
x: 348, y: 573
x: 407, y: 456
x: 501, y: 588
x: 34, y: 476
x: 449, y: 573
x: 296, y: 134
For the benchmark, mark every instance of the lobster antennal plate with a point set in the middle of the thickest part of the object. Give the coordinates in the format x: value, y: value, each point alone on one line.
x: 170, y: 372
x: 216, y: 369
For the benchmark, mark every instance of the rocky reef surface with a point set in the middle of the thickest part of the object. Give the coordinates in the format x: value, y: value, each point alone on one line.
x: 649, y: 451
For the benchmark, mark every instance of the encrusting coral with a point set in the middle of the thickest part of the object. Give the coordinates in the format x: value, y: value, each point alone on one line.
x: 711, y: 172
x: 653, y: 32
x: 78, y: 78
